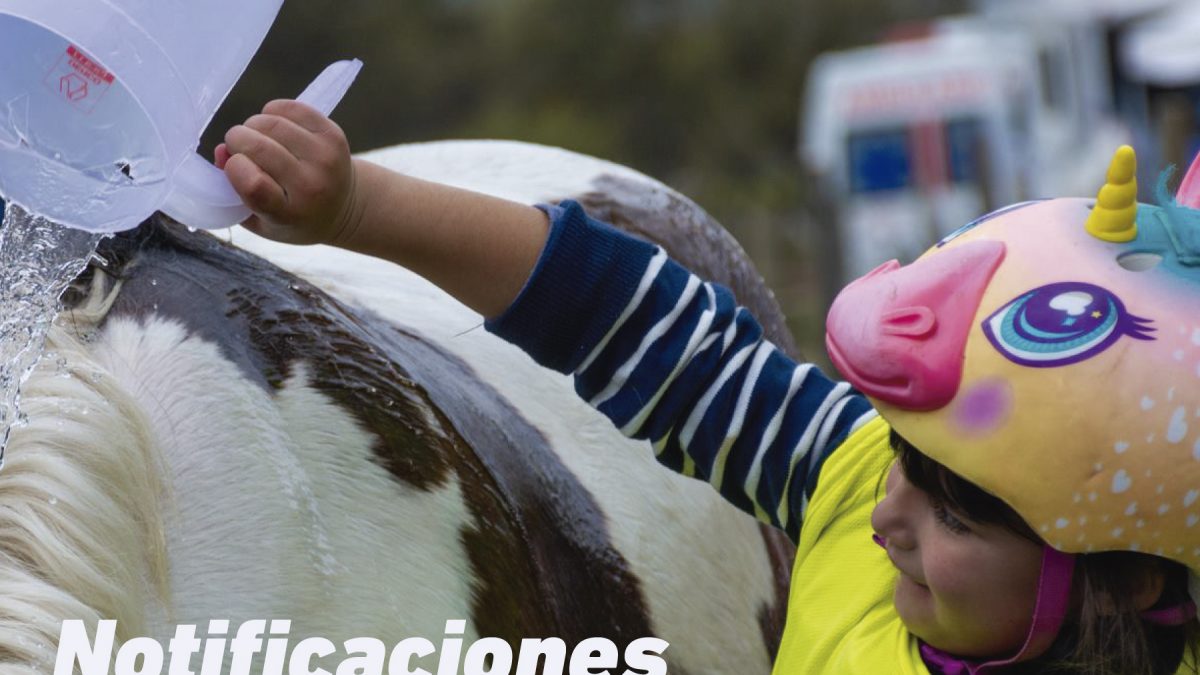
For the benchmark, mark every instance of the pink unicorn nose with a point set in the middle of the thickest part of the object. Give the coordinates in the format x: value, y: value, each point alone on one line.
x: 898, y: 334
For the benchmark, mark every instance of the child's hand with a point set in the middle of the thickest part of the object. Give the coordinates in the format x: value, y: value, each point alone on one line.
x: 292, y: 167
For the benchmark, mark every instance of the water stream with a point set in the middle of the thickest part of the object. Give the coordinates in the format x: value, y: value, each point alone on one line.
x: 38, y: 260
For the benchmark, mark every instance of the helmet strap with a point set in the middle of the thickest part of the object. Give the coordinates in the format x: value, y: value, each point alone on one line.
x: 1053, y: 602
x: 1194, y: 586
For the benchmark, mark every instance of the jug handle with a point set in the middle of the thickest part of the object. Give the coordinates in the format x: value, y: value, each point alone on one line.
x: 202, y: 197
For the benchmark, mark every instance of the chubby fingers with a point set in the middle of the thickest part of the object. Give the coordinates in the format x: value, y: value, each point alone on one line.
x: 264, y: 150
x: 297, y: 146
x: 261, y: 192
x: 302, y: 114
x: 264, y: 160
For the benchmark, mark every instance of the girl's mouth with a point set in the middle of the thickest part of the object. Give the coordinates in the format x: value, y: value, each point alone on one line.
x: 881, y: 541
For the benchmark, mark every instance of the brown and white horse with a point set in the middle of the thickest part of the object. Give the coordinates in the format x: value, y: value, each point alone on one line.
x: 257, y: 431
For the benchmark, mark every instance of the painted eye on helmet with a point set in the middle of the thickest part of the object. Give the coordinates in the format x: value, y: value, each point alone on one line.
x: 983, y: 219
x: 1062, y: 323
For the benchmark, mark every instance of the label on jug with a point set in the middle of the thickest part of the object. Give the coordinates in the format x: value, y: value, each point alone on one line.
x: 79, y: 79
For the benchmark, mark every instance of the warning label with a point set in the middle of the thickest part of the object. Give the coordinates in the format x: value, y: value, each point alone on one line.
x: 79, y: 79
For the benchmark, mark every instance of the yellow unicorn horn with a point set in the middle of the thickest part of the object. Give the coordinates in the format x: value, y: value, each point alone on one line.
x: 1114, y: 217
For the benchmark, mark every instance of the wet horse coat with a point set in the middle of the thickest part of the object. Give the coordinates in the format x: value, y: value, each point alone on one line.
x: 341, y: 445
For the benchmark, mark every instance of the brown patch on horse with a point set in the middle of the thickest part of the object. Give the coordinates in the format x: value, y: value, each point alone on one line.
x: 693, y: 238
x: 543, y: 560
x: 771, y: 617
x: 593, y: 591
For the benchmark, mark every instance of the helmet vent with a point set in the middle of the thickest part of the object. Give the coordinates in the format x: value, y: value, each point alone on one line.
x: 1139, y: 261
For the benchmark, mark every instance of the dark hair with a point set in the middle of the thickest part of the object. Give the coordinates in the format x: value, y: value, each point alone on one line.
x: 1106, y: 635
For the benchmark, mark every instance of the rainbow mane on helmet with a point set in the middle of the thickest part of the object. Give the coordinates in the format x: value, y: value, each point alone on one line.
x: 1181, y: 225
x: 1050, y: 353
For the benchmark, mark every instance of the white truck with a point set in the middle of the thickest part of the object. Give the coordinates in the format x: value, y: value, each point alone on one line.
x: 1159, y: 70
x: 910, y: 140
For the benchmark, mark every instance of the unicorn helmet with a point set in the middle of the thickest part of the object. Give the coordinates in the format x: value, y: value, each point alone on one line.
x: 1049, y: 352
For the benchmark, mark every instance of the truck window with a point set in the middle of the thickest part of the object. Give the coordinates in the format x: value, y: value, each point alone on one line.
x: 964, y: 145
x: 879, y: 160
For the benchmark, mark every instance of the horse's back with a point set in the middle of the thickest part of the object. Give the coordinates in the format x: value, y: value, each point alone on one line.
x: 345, y: 446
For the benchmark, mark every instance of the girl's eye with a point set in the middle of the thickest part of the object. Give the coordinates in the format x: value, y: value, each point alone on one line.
x: 948, y: 520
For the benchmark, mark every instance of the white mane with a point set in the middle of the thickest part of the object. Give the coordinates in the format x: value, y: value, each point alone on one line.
x: 80, y: 503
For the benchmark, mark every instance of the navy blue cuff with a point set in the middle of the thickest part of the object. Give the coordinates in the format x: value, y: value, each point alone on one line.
x: 586, y: 275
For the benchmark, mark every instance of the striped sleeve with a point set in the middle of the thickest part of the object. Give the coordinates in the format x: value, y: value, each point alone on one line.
x: 674, y: 360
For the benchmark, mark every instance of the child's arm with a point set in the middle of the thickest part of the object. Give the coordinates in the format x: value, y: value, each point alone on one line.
x: 669, y: 358
x: 292, y: 167
x: 665, y: 356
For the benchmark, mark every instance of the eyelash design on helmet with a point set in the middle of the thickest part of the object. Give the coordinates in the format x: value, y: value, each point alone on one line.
x: 1062, y: 323
x: 983, y: 219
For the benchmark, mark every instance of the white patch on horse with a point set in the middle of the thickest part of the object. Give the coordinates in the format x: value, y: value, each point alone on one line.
x: 265, y: 520
x: 522, y: 172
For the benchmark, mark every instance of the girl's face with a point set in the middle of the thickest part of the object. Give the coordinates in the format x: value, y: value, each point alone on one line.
x: 965, y: 588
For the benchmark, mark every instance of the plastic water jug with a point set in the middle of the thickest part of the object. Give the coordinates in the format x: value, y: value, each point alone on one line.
x: 102, y: 104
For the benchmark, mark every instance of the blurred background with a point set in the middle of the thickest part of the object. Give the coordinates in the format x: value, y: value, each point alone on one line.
x: 827, y: 136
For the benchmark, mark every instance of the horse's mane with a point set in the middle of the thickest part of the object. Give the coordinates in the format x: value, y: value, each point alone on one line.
x: 81, y: 533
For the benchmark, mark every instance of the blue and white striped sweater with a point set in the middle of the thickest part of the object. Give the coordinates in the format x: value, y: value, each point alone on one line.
x: 672, y: 359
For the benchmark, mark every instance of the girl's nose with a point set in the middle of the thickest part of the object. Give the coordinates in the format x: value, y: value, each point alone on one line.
x: 891, y: 518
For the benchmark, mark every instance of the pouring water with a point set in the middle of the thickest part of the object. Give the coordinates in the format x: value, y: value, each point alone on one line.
x: 38, y: 260
x: 102, y: 104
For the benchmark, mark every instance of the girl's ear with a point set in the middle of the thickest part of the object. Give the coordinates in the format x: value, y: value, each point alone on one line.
x: 1140, y: 587
x: 1149, y: 588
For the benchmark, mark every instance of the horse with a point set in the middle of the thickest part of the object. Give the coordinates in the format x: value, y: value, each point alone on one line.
x: 227, y: 429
